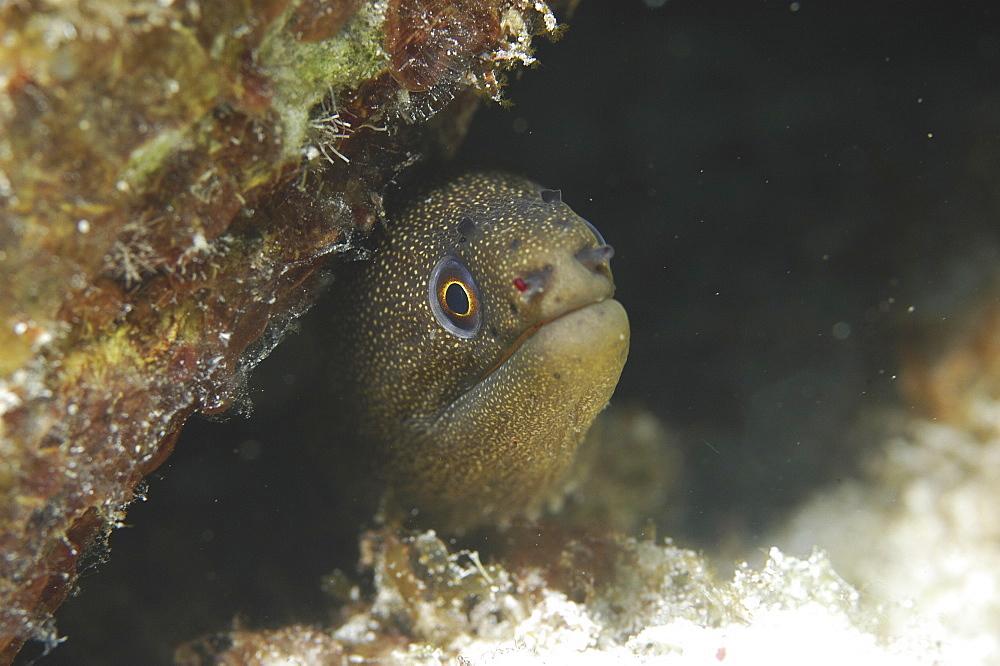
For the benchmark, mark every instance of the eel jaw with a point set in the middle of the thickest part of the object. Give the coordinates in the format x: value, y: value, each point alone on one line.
x: 531, y: 330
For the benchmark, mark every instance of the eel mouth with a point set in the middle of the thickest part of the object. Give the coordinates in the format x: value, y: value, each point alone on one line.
x: 534, y: 328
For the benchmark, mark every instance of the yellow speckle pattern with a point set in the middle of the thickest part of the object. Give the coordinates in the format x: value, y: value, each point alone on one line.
x: 479, y: 430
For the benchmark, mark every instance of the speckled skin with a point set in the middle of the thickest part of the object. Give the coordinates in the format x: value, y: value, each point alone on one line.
x: 480, y: 430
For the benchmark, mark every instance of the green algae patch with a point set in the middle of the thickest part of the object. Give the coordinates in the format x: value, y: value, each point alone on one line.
x: 302, y: 72
x: 146, y: 160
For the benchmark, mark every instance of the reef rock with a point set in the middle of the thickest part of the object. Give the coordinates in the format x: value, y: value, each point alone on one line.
x: 171, y: 176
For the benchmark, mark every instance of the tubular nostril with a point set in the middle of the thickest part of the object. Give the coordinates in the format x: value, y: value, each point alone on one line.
x: 531, y: 284
x: 595, y: 257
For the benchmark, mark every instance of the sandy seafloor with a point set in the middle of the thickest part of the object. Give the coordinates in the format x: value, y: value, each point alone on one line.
x: 804, y: 200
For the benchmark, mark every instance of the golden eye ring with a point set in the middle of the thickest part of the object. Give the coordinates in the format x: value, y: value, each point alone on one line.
x: 457, y: 299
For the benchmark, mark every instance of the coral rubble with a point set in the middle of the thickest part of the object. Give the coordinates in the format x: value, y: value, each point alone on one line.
x: 641, y: 603
x: 171, y: 177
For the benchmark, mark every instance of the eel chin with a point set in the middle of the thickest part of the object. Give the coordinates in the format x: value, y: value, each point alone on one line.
x: 593, y: 337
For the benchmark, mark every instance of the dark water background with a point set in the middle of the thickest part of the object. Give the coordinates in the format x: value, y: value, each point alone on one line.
x: 782, y: 182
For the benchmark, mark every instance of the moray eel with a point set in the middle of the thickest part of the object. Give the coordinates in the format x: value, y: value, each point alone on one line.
x: 483, y: 339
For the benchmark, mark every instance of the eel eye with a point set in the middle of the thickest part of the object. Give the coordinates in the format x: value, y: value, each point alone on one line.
x: 454, y: 298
